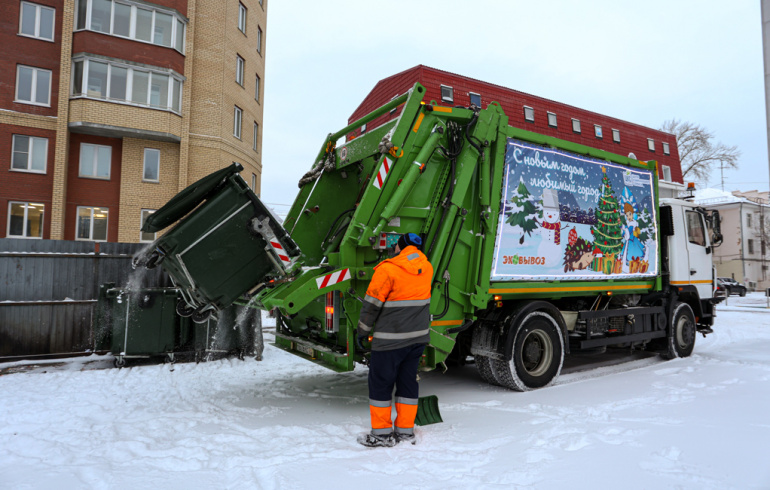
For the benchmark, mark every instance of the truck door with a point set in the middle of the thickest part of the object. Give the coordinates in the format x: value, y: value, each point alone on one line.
x: 699, y: 253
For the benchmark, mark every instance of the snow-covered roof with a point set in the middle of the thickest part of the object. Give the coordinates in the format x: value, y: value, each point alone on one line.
x: 716, y: 196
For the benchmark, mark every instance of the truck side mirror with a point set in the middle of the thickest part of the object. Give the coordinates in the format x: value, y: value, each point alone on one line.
x: 666, y: 221
x: 716, y: 228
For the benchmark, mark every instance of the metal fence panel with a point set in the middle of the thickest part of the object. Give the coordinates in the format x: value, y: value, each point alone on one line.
x: 49, y: 288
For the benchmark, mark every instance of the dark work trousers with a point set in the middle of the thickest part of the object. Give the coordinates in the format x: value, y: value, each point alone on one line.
x: 388, y: 368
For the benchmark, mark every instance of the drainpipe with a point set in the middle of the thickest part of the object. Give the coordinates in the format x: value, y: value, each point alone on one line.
x: 743, y: 245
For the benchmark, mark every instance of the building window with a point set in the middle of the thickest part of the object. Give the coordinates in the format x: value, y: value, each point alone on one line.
x: 239, y: 64
x: 256, y: 91
x: 575, y: 126
x: 650, y: 144
x: 393, y: 111
x: 447, y: 94
x: 363, y: 128
x: 254, y: 182
x: 92, y: 224
x: 237, y: 122
x: 529, y: 114
x: 95, y: 161
x: 143, y: 235
x: 666, y: 173
x: 666, y: 150
x: 259, y: 40
x: 750, y: 243
x: 256, y: 135
x: 241, y: 18
x: 748, y: 220
x: 616, y: 135
x: 29, y: 153
x: 126, y: 84
x: 25, y: 220
x: 551, y: 119
x: 475, y: 99
x: 151, y: 172
x: 154, y: 26
x: 33, y: 86
x: 598, y: 131
x: 36, y: 21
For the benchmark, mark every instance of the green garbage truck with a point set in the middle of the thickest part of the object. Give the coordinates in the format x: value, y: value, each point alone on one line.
x: 540, y: 247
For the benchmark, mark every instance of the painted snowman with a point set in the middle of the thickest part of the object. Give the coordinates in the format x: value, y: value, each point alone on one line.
x: 550, y: 228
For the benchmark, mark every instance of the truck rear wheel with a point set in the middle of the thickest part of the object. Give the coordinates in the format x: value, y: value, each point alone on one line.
x: 681, y: 342
x: 537, y: 354
x: 484, y: 367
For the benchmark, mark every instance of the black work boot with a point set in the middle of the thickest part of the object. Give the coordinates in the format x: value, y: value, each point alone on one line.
x: 406, y: 438
x: 372, y: 440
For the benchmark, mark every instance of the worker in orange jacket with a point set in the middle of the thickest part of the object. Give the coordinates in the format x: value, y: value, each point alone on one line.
x: 396, y: 315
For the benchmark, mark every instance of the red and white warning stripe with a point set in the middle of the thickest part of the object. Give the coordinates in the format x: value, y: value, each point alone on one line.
x: 333, y: 278
x: 387, y: 164
x: 280, y: 251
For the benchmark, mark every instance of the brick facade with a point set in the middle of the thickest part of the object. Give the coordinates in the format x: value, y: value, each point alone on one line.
x: 633, y: 137
x: 92, y: 192
x: 30, y: 52
x: 22, y: 186
x: 128, y: 50
x: 191, y: 145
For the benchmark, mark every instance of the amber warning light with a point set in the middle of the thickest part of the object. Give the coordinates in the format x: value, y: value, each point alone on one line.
x: 331, y: 324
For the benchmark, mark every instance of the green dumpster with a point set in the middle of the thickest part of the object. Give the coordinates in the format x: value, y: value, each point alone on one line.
x: 236, y: 330
x: 143, y: 323
x: 226, y: 243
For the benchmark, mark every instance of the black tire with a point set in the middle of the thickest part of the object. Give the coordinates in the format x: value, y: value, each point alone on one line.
x: 537, y: 354
x: 681, y: 339
x: 484, y: 367
x: 183, y: 309
x: 743, y: 292
x: 201, y: 315
x: 119, y: 362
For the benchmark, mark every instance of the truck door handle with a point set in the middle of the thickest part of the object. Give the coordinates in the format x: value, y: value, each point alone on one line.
x: 692, y: 272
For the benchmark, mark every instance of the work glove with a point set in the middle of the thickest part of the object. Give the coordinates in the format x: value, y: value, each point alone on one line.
x: 361, y: 337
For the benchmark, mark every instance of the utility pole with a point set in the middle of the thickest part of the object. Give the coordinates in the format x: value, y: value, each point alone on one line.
x: 722, y: 172
x: 765, y: 14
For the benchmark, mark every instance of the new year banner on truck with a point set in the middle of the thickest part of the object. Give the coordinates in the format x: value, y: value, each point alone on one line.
x: 565, y: 216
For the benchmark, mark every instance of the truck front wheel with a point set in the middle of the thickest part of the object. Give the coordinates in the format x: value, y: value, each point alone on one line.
x: 537, y: 354
x: 681, y: 341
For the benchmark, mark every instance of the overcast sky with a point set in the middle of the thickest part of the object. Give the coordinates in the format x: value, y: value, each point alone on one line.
x: 643, y: 62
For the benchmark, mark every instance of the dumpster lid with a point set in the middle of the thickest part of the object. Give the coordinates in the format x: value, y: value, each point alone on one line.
x: 188, y: 199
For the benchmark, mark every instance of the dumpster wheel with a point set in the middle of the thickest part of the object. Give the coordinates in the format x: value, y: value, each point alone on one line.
x: 201, y: 314
x: 119, y: 362
x: 183, y: 309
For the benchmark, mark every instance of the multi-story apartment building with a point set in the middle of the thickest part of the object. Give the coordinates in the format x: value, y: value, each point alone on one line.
x: 108, y: 108
x: 745, y: 217
x: 536, y: 114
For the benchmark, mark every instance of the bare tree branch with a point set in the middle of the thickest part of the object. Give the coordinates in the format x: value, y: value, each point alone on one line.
x: 698, y: 153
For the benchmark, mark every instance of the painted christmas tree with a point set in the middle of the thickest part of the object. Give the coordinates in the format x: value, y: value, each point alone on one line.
x: 646, y: 226
x: 607, y: 230
x: 524, y: 211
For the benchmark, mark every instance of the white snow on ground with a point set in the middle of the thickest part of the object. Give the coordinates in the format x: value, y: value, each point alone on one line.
x: 699, y: 422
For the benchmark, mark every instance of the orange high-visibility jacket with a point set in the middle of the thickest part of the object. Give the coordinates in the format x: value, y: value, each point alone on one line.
x: 397, y: 303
